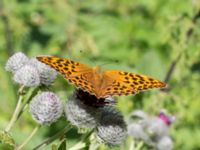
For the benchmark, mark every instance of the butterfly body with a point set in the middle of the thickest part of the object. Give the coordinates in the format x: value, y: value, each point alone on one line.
x: 97, y: 78
x: 100, y: 83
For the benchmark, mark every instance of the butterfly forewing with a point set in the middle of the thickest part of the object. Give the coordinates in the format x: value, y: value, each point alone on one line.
x: 76, y: 73
x: 66, y: 67
x: 125, y: 83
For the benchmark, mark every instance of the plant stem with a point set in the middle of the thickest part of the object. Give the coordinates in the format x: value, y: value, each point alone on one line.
x: 172, y: 68
x: 29, y: 138
x: 20, y: 105
x: 78, y: 146
x: 82, y: 143
x: 132, y: 145
x: 139, y: 145
x: 54, y: 137
x: 32, y: 92
x: 16, y: 112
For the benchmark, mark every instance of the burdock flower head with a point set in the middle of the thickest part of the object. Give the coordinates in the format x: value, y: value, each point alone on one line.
x: 47, y: 74
x: 80, y: 112
x: 111, y: 129
x: 46, y: 108
x: 86, y: 111
x: 30, y: 72
x: 16, y: 61
x: 27, y: 76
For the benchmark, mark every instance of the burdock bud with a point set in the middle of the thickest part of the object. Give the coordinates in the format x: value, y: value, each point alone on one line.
x: 136, y: 130
x: 27, y: 76
x: 47, y: 74
x: 137, y: 115
x: 165, y: 143
x: 46, y: 108
x: 111, y: 129
x: 79, y: 114
x: 16, y: 61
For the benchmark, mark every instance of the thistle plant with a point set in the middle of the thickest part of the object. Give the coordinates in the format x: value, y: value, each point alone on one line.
x: 82, y: 110
x: 101, y: 122
x: 45, y: 107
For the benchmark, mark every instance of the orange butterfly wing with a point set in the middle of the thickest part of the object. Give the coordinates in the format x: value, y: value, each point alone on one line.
x: 125, y: 83
x: 111, y: 82
x: 76, y: 73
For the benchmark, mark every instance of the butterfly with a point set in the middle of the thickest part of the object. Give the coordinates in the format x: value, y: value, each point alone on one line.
x: 100, y: 83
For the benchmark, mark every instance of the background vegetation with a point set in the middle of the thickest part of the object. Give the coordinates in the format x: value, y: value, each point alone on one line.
x: 158, y: 38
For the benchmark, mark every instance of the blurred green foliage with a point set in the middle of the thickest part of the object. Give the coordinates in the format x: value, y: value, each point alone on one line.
x: 143, y: 36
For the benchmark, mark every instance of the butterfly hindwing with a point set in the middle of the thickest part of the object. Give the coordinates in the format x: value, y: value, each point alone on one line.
x: 83, y: 81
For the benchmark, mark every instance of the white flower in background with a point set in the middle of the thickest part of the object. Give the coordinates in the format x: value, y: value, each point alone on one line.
x: 165, y: 143
x: 137, y: 115
x: 156, y: 127
x: 137, y: 131
x: 151, y: 129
